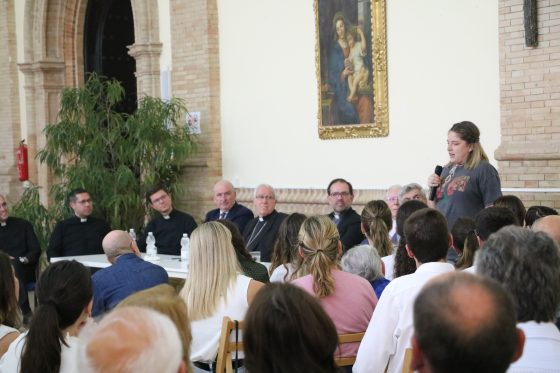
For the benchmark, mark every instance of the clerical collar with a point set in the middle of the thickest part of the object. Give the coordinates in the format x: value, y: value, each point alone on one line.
x: 3, y: 224
x: 82, y: 220
x: 166, y: 217
x: 265, y: 218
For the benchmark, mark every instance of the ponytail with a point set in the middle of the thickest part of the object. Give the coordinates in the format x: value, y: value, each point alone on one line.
x: 470, y: 247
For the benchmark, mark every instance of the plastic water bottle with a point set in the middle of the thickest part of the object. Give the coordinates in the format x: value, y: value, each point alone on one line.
x: 185, y: 248
x: 151, y: 250
x: 132, y: 234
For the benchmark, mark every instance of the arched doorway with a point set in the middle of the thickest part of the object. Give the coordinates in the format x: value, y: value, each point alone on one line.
x: 108, y: 31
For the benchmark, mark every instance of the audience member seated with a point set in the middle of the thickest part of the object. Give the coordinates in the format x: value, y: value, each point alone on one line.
x: 81, y: 234
x: 18, y: 240
x: 10, y: 315
x: 465, y: 242
x: 127, y: 273
x: 250, y: 268
x: 488, y: 221
x: 49, y: 346
x: 412, y: 191
x: 286, y: 330
x: 464, y: 324
x: 318, y: 274
x: 550, y: 225
x: 131, y: 340
x: 376, y: 223
x: 213, y: 289
x: 536, y: 212
x: 392, y: 198
x: 390, y: 329
x: 260, y: 233
x: 528, y: 265
x: 364, y: 261
x: 340, y: 196
x: 404, y: 264
x: 168, y: 228
x: 286, y: 248
x: 164, y: 299
x: 515, y: 205
x: 227, y: 206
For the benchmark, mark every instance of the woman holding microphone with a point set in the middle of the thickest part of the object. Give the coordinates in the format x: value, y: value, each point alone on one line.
x: 468, y: 182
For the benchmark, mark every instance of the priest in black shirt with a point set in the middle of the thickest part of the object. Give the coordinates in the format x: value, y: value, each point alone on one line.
x: 168, y: 228
x: 260, y: 233
x: 18, y: 240
x: 81, y: 234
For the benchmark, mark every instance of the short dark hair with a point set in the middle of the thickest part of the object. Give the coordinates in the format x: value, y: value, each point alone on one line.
x: 515, y: 205
x: 340, y: 180
x: 450, y: 345
x: 153, y: 190
x: 534, y: 213
x: 427, y: 235
x: 491, y: 219
x: 73, y: 195
x: 527, y: 264
x: 287, y: 330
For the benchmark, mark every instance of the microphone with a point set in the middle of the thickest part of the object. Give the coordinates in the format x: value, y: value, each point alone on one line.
x: 437, y: 171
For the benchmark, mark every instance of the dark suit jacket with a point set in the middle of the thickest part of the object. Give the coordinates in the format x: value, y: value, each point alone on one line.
x: 264, y: 242
x: 349, y: 228
x: 238, y: 215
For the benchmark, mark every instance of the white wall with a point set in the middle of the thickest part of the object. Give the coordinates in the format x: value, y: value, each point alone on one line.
x: 443, y: 68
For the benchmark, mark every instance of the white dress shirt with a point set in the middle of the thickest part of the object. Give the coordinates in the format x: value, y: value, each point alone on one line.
x: 391, y: 327
x: 541, y: 353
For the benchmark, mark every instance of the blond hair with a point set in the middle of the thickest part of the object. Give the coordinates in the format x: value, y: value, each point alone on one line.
x: 377, y: 221
x: 164, y: 299
x: 213, y: 269
x: 319, y: 243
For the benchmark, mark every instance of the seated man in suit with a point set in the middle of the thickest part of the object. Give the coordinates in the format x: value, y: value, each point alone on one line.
x: 127, y: 274
x: 227, y: 206
x: 260, y: 233
x: 340, y: 197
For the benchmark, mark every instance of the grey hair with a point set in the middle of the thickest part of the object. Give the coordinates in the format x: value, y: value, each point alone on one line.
x: 528, y: 265
x: 268, y: 186
x: 395, y: 186
x: 364, y: 261
x: 409, y: 187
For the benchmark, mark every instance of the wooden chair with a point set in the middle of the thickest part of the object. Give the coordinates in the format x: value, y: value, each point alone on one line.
x: 226, y: 347
x: 347, y: 338
x: 407, y: 360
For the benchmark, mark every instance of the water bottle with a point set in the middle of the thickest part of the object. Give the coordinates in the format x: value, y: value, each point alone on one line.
x: 132, y: 234
x: 185, y: 248
x: 151, y: 250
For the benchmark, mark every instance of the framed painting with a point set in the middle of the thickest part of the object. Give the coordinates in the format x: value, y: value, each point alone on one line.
x: 351, y: 60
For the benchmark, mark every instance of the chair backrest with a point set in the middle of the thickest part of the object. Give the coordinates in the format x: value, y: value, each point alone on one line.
x: 226, y: 347
x: 407, y: 360
x: 347, y: 338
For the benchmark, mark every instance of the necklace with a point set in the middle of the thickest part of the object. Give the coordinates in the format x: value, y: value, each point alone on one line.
x: 451, y: 173
x: 254, y: 236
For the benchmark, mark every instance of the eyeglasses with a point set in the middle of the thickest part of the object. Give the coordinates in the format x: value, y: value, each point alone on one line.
x: 84, y: 201
x: 270, y: 198
x: 393, y: 199
x: 160, y: 199
x: 339, y: 194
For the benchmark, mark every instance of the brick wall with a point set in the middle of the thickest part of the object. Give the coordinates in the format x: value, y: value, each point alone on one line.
x: 529, y: 154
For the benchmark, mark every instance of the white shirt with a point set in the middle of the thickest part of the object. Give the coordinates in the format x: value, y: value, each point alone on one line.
x: 389, y: 262
x: 11, y: 360
x: 541, y: 353
x: 281, y: 271
x: 391, y: 327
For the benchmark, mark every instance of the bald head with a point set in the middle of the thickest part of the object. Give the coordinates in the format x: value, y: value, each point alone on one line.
x: 117, y: 243
x: 550, y: 225
x: 224, y: 195
x: 131, y: 339
x: 454, y: 315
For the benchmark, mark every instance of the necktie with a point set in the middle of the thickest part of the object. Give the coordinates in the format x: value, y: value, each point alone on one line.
x: 223, y: 215
x: 336, y: 219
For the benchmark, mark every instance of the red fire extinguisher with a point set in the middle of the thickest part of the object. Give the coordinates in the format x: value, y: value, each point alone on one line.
x: 22, y: 163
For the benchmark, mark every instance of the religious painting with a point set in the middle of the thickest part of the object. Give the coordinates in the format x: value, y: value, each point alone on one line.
x: 351, y: 59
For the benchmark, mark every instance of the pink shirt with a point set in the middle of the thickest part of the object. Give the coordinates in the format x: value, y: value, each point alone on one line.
x: 350, y: 306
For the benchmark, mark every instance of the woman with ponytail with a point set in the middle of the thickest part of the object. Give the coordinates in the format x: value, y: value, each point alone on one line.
x: 347, y: 298
x: 64, y: 296
x: 377, y: 221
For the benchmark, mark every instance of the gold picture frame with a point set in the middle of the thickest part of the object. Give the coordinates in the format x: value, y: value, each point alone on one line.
x: 351, y: 65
